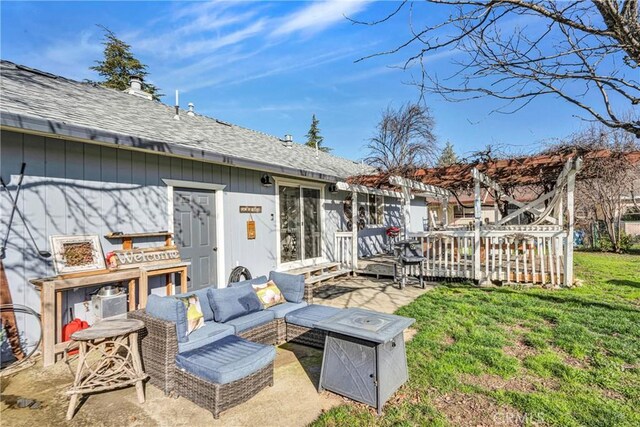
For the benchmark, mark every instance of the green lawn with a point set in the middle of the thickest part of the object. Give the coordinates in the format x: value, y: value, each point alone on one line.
x: 505, y: 356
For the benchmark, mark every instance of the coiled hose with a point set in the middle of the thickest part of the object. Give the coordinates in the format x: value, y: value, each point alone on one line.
x: 19, y: 308
x: 238, y: 273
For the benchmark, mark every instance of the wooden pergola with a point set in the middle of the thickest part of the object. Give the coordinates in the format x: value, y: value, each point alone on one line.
x: 540, y: 251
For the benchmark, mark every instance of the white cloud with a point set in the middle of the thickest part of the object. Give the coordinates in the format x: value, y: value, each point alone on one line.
x: 195, y: 46
x: 191, y: 48
x: 318, y: 16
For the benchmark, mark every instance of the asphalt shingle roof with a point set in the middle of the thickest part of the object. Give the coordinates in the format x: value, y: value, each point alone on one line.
x: 32, y: 93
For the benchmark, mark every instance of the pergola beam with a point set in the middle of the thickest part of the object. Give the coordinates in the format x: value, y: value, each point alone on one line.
x: 355, y: 188
x: 430, y: 190
x: 488, y: 182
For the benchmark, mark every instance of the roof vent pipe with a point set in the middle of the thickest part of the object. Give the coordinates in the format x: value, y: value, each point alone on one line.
x: 191, y: 111
x: 135, y: 87
x: 288, y: 141
x: 135, y: 82
x: 177, y: 116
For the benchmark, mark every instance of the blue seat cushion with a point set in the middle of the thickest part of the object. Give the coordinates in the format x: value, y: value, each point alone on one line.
x: 281, y: 310
x: 171, y: 310
x: 210, y: 332
x: 203, y: 297
x: 229, y: 303
x: 255, y: 281
x: 291, y: 285
x: 310, y: 315
x: 226, y: 360
x: 251, y: 320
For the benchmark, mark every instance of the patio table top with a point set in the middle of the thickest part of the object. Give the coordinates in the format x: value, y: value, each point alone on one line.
x: 366, y: 324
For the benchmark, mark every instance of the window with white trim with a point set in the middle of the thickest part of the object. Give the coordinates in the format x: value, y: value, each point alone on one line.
x: 460, y: 212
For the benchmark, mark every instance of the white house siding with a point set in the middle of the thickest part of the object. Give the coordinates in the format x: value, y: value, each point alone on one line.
x: 334, y: 220
x: 372, y: 240
x: 632, y: 228
x: 419, y: 214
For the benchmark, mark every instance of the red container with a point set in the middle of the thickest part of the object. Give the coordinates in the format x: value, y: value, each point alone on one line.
x: 70, y: 328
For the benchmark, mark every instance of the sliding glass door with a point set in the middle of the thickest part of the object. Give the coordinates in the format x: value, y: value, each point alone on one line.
x: 300, y: 223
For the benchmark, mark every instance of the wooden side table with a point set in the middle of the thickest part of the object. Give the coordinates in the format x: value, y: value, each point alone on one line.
x: 109, y: 358
x: 151, y: 270
x: 51, y: 289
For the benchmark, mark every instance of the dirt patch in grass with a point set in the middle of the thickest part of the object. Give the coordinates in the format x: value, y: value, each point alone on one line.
x: 517, y: 329
x: 519, y: 349
x: 476, y: 410
x: 572, y: 361
x: 449, y: 340
x: 524, y: 384
x: 575, y: 362
x: 409, y: 333
x: 612, y: 394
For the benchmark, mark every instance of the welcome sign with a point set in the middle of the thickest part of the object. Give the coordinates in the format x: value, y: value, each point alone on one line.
x: 133, y: 258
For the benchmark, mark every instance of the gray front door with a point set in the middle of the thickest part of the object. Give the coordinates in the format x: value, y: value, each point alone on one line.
x: 194, y: 229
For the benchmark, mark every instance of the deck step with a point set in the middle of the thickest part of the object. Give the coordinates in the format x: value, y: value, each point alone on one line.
x: 316, y: 270
x: 327, y: 276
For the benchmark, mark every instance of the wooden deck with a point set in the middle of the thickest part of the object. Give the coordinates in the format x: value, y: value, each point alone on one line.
x: 378, y: 265
x: 443, y: 270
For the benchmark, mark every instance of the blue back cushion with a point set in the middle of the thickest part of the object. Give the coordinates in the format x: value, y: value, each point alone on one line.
x: 203, y: 297
x: 230, y: 303
x: 291, y: 285
x: 255, y: 281
x: 171, y: 310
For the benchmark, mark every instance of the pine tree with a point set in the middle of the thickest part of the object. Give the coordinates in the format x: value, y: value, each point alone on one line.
x: 119, y: 65
x: 314, y: 137
x: 448, y: 157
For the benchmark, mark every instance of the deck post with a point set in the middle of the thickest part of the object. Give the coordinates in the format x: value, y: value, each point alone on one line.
x: 568, y: 250
x: 445, y: 211
x: 406, y: 210
x: 354, y: 231
x: 477, y: 214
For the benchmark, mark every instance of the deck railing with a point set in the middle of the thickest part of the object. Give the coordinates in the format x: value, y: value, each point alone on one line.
x: 343, y: 249
x: 519, y: 254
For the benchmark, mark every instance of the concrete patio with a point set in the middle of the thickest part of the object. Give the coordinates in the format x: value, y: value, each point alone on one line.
x: 292, y: 401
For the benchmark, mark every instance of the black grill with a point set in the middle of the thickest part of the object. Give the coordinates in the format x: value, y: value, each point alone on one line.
x: 407, y: 253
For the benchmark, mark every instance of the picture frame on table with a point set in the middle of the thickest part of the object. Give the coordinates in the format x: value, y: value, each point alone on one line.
x: 77, y: 253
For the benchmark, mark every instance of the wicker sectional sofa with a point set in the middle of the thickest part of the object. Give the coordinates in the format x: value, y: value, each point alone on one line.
x: 179, y: 366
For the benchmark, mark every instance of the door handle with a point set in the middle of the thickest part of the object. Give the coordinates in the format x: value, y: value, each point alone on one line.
x: 215, y: 249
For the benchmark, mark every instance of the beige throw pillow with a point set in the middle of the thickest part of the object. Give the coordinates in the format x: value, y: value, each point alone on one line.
x: 269, y: 294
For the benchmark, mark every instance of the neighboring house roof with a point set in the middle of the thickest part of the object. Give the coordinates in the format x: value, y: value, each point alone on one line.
x: 40, y: 102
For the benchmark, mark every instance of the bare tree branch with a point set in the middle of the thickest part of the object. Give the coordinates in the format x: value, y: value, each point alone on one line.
x: 603, y: 196
x: 518, y: 50
x: 404, y: 140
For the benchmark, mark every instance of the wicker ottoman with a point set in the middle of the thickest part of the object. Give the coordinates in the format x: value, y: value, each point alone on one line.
x: 225, y: 373
x: 301, y: 324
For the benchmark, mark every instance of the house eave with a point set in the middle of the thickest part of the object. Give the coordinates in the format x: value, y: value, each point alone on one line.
x: 61, y: 130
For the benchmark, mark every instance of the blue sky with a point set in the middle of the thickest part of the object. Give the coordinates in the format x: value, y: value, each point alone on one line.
x: 269, y: 66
